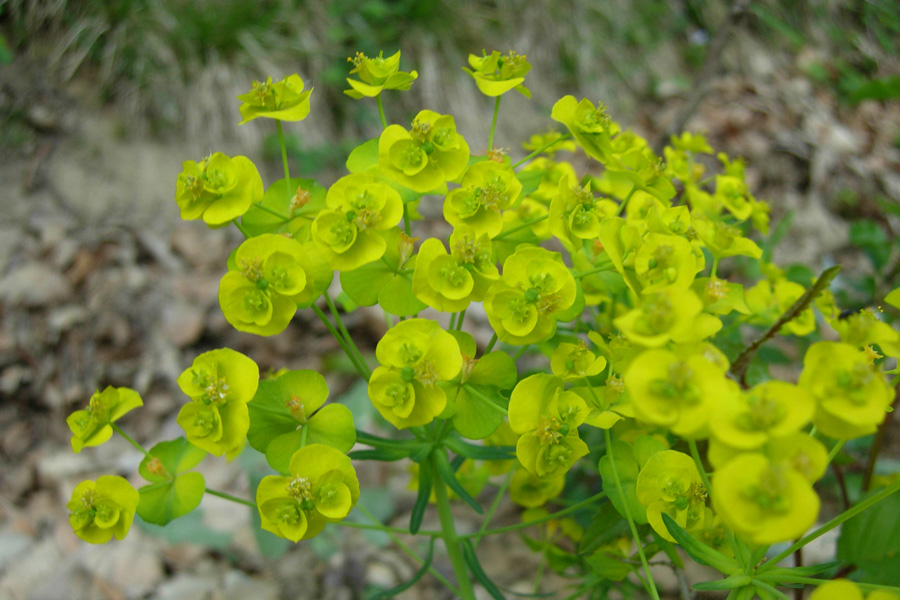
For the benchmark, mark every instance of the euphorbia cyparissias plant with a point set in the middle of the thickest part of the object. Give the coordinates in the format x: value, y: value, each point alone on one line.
x: 637, y: 332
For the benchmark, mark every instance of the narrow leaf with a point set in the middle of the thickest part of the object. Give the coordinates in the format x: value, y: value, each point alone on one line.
x: 478, y: 572
x: 699, y: 551
x: 476, y: 452
x: 446, y: 473
x: 426, y: 478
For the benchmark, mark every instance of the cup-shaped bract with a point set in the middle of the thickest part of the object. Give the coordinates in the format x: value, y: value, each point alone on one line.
x: 669, y: 483
x: 322, y: 487
x: 426, y: 156
x: 850, y: 392
x: 103, y: 509
x: 92, y: 426
x: 450, y: 281
x: 764, y: 502
x: 376, y: 75
x: 590, y: 125
x: 415, y: 356
x: 676, y: 391
x: 220, y: 383
x: 523, y: 305
x: 486, y: 189
x: 217, y: 189
x: 575, y: 213
x: 547, y: 419
x: 284, y: 100
x: 496, y: 73
x: 274, y: 273
x: 359, y: 206
x: 747, y: 420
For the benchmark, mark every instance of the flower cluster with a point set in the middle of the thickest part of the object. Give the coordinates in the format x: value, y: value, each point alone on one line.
x: 621, y: 282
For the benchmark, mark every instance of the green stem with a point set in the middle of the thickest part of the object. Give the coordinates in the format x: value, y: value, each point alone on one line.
x: 556, y: 515
x: 129, y: 439
x: 347, y: 338
x: 485, y: 399
x: 241, y: 229
x: 715, y: 267
x: 841, y: 518
x: 249, y: 503
x: 381, y: 111
x: 771, y: 589
x: 834, y: 450
x: 452, y: 325
x: 542, y: 148
x: 406, y: 228
x: 501, y: 492
x: 540, y: 572
x: 651, y: 585
x: 695, y: 454
x: 493, y: 124
x: 520, y: 352
x: 519, y: 228
x: 491, y: 343
x: 625, y: 201
x: 391, y: 532
x: 340, y: 340
x: 271, y: 211
x: 599, y: 269
x: 303, y: 434
x: 462, y: 315
x: 287, y: 171
x: 451, y: 540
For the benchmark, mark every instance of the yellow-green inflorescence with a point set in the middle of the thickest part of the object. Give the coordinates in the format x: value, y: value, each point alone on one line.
x: 103, y: 509
x: 415, y: 355
x: 219, y: 383
x: 92, y: 426
x: 322, y: 487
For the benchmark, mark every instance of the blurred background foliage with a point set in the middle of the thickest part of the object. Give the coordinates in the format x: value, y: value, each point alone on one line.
x: 170, y: 59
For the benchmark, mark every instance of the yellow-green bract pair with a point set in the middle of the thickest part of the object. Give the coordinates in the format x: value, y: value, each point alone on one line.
x: 322, y: 487
x: 415, y: 356
x: 220, y: 383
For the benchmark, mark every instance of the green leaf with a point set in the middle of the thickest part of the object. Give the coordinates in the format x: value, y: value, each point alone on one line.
x: 476, y: 452
x: 379, y: 454
x: 415, y: 578
x: 164, y: 501
x: 363, y: 157
x: 332, y: 426
x: 426, y: 478
x: 496, y: 369
x: 5, y: 53
x: 697, y: 550
x: 729, y: 583
x: 871, y: 540
x: 530, y: 180
x: 278, y: 198
x: 872, y: 238
x: 606, y: 526
x: 886, y: 88
x: 397, y: 297
x: 446, y: 473
x: 475, y: 567
x: 473, y: 419
x: 627, y: 469
x: 466, y: 342
x: 176, y: 456
x: 646, y: 446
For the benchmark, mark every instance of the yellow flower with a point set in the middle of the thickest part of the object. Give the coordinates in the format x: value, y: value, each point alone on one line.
x: 762, y: 502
